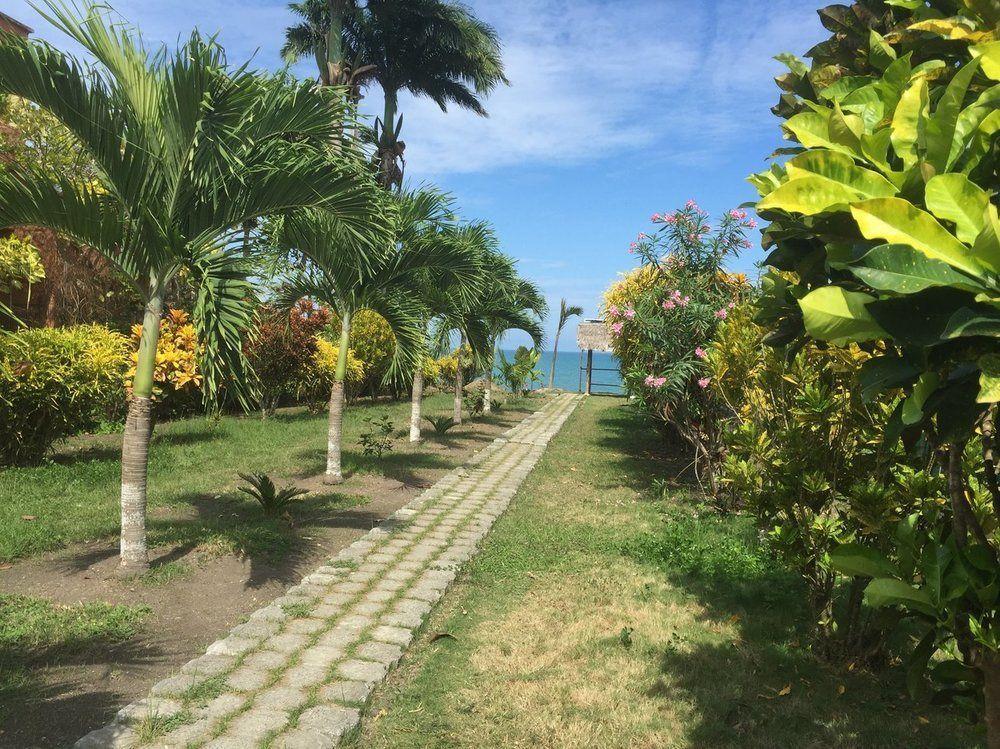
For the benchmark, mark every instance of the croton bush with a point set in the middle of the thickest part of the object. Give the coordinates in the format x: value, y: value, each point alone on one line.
x: 884, y: 234
x: 663, y: 316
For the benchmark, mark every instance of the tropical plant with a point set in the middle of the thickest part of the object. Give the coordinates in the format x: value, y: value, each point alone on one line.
x: 377, y: 439
x: 387, y: 280
x: 883, y: 232
x: 441, y: 424
x: 185, y: 150
x: 521, y: 372
x: 20, y: 266
x: 662, y: 319
x: 55, y: 382
x: 272, y: 500
x: 283, y: 352
x: 565, y: 313
x: 475, y: 401
x: 176, y: 377
x: 430, y: 48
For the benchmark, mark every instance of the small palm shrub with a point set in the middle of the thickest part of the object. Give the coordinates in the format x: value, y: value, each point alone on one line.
x: 55, y: 382
x: 441, y: 424
x: 377, y: 440
x: 274, y: 501
x: 521, y: 372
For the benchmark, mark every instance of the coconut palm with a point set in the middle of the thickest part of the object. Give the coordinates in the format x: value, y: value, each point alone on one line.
x: 430, y: 48
x: 391, y: 283
x: 565, y: 313
x: 185, y: 150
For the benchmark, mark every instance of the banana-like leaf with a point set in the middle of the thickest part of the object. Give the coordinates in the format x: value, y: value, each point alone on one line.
x: 954, y: 197
x: 856, y: 560
x: 941, y: 126
x: 909, y: 122
x: 989, y: 55
x: 902, y: 269
x: 899, y: 222
x: 832, y: 314
x: 887, y: 591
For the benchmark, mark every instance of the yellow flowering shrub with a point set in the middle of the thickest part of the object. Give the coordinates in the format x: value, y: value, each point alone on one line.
x: 327, y: 356
x: 432, y: 371
x: 448, y: 365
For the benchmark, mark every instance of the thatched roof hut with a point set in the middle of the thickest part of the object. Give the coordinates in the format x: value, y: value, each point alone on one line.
x: 593, y: 335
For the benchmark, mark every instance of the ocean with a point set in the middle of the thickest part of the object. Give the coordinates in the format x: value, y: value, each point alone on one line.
x: 568, y: 365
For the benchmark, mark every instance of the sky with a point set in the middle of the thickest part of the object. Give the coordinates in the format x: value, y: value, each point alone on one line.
x: 617, y: 109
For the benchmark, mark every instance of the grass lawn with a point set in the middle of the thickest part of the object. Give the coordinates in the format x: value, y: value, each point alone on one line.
x: 601, y: 615
x: 193, y: 464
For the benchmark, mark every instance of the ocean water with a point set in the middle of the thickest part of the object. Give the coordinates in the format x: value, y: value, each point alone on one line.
x: 568, y: 374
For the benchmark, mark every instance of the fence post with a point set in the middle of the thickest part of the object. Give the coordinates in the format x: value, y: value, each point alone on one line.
x: 590, y: 367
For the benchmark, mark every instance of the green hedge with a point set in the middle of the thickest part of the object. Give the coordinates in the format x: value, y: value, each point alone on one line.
x: 55, y: 382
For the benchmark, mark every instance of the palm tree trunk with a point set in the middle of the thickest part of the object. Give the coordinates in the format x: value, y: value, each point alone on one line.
x: 555, y: 354
x: 417, y: 402
x: 459, y: 384
x: 488, y: 391
x: 335, y: 429
x: 135, y: 446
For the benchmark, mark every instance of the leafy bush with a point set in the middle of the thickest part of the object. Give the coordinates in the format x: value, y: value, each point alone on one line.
x: 20, y: 264
x: 372, y: 343
x: 176, y: 378
x: 55, y: 382
x: 272, y: 500
x: 663, y: 315
x: 316, y: 388
x: 377, y: 440
x: 448, y: 366
x: 884, y: 232
x: 811, y: 458
x: 283, y: 350
x: 475, y: 401
x: 521, y: 372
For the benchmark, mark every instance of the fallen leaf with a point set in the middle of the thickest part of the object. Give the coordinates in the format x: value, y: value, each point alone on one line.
x: 443, y: 636
x: 923, y: 720
x: 841, y: 689
x: 786, y: 691
x: 29, y: 517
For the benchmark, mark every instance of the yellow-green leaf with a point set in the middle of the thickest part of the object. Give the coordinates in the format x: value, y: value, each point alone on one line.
x: 989, y: 53
x: 832, y: 314
x: 909, y: 121
x: 809, y: 195
x: 897, y: 221
x: 955, y: 198
x: 989, y: 379
x: 949, y: 28
x: 840, y: 168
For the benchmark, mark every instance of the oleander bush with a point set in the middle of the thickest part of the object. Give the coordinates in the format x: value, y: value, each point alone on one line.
x: 55, y: 382
x: 663, y: 316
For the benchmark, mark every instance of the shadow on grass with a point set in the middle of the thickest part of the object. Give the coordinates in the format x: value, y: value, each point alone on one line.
x: 746, y: 668
x: 38, y: 706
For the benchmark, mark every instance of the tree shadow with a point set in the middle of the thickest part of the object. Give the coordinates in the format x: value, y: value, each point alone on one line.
x: 39, y: 708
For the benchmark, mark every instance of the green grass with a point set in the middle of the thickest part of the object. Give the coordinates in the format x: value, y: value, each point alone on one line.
x: 35, y: 631
x: 599, y: 614
x: 192, y: 478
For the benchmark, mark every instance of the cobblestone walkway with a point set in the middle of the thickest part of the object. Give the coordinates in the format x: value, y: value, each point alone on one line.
x: 298, y: 672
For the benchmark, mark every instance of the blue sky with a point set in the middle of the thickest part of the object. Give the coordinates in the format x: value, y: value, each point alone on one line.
x: 617, y: 109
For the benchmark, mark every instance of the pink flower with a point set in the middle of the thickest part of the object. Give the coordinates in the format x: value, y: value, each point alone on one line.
x: 722, y: 314
x: 691, y: 204
x: 669, y: 304
x: 704, y: 382
x: 670, y: 218
x: 613, y: 310
x: 700, y: 353
x: 737, y: 214
x: 630, y: 313
x: 617, y: 328
x: 656, y: 218
x: 655, y: 382
x: 683, y: 302
x: 751, y: 224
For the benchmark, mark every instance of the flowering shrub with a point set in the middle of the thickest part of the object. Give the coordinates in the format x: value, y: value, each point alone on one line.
x: 663, y: 316
x: 55, y: 382
x: 316, y: 388
x: 372, y: 342
x: 448, y: 366
x: 283, y: 350
x: 176, y: 378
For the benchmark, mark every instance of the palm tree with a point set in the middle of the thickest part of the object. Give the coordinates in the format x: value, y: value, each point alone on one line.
x: 185, y: 150
x: 390, y: 282
x: 432, y: 48
x: 520, y: 305
x: 565, y: 313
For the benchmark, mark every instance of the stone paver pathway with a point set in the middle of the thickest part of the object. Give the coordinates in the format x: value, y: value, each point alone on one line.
x: 298, y: 672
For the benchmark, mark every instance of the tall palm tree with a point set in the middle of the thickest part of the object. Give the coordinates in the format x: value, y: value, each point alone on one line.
x: 432, y: 48
x: 348, y: 278
x: 565, y: 313
x: 186, y: 150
